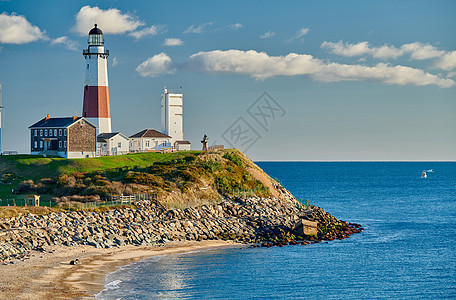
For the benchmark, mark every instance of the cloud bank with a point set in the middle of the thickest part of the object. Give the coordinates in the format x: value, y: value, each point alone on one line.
x: 16, y: 29
x: 110, y: 20
x: 417, y: 51
x: 260, y: 65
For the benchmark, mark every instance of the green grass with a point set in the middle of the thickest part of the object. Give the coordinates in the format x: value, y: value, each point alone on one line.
x: 36, y: 167
x: 154, y: 173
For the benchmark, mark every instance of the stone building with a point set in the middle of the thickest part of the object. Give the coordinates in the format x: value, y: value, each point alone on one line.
x: 68, y: 137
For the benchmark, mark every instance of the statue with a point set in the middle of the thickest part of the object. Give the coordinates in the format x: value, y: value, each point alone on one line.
x: 204, y: 142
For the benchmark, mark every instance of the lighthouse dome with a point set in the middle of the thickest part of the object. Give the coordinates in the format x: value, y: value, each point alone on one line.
x: 95, y: 36
x: 95, y: 30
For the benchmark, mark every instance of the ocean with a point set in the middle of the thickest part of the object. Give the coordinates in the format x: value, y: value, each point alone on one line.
x: 407, y: 250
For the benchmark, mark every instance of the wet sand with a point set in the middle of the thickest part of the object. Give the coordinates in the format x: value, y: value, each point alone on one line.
x: 49, y: 275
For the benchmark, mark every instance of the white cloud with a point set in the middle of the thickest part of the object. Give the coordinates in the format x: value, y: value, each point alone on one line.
x: 235, y: 26
x: 115, y: 61
x: 152, y: 30
x: 110, y: 20
x: 173, y: 42
x: 156, y: 65
x: 447, y: 61
x: 260, y: 65
x: 64, y: 40
x: 302, y: 32
x: 362, y: 48
x: 421, y: 51
x: 299, y: 34
x: 16, y: 29
x: 346, y: 49
x: 267, y: 35
x: 198, y: 29
x: 417, y: 51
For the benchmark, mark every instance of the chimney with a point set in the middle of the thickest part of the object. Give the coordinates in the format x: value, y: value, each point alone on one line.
x: 47, y: 118
x: 74, y: 118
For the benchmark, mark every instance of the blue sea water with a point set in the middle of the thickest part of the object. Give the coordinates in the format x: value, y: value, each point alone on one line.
x: 407, y: 251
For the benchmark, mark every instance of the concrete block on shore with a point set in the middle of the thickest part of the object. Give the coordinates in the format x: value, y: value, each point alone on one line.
x: 306, y: 227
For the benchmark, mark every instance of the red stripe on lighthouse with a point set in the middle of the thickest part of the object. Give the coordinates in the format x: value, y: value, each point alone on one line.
x: 96, y: 102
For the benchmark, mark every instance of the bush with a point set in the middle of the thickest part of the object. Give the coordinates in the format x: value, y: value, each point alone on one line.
x: 26, y: 186
x: 234, y: 159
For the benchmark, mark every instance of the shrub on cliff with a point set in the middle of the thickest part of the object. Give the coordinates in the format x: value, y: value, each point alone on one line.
x: 26, y: 186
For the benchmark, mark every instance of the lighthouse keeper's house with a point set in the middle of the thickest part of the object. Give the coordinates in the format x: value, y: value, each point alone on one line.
x: 68, y: 137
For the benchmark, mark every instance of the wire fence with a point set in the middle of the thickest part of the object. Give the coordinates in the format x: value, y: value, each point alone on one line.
x: 71, y: 205
x: 23, y: 202
x: 125, y: 199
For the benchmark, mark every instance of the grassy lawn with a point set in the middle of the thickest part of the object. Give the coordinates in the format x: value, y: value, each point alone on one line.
x: 35, y: 167
x: 177, y: 178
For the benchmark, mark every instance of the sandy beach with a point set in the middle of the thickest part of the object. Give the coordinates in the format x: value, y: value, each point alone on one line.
x: 49, y: 275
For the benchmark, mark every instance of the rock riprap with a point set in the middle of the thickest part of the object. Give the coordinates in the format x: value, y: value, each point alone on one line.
x: 266, y: 221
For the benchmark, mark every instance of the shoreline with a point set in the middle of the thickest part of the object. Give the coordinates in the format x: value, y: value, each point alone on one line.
x: 49, y: 275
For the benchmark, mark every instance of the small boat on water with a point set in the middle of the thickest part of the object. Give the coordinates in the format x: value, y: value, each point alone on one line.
x: 430, y: 171
x: 424, y: 175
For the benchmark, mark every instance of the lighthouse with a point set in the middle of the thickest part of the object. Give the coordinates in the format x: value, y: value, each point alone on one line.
x: 96, y: 93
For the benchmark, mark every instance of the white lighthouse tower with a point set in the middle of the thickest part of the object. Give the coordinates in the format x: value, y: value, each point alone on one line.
x: 172, y: 114
x: 96, y: 93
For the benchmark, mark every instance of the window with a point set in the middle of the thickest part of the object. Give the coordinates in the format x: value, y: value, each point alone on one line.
x: 55, y: 132
x: 50, y: 132
x: 87, y: 66
x: 45, y: 132
x: 41, y: 132
x: 60, y: 144
x: 119, y: 145
x: 64, y: 132
x: 36, y: 132
x: 64, y: 144
x: 164, y: 144
x: 147, y: 143
x: 41, y: 144
x: 60, y: 132
x: 36, y: 144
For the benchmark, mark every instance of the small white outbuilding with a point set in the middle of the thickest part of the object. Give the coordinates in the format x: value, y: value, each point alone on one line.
x: 114, y: 143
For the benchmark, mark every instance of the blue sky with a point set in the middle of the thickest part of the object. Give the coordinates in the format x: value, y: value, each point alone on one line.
x: 344, y: 80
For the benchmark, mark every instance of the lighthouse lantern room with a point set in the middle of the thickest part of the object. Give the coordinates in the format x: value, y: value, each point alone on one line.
x: 96, y: 93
